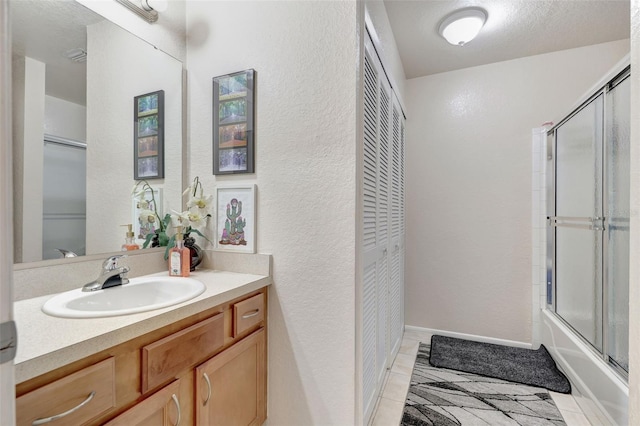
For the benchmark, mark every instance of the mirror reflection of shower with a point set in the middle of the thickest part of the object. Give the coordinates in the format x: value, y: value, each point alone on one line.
x: 64, y: 197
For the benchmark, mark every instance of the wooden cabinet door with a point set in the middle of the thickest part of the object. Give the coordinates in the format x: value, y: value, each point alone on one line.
x: 161, y: 408
x: 231, y: 387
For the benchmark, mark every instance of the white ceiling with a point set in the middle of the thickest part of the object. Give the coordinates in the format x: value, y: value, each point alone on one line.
x: 514, y: 29
x: 45, y: 30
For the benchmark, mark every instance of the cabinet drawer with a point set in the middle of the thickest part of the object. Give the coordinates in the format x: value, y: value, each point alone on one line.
x: 73, y: 400
x: 167, y: 358
x: 247, y: 314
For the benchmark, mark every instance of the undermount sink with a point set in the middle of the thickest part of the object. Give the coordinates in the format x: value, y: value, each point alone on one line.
x: 139, y: 295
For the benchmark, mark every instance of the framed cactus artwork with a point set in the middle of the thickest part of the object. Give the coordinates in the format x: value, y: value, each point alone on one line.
x: 236, y: 218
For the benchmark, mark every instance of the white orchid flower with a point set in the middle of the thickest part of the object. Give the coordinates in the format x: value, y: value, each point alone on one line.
x: 143, y: 204
x: 179, y: 218
x: 147, y: 217
x: 137, y: 192
x: 203, y: 203
x: 196, y: 219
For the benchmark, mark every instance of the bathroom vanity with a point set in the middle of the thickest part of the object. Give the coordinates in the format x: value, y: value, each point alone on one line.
x: 201, y: 362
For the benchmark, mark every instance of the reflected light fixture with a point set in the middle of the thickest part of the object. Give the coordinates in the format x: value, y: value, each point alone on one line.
x: 158, y: 5
x: 146, y: 9
x: 463, y: 25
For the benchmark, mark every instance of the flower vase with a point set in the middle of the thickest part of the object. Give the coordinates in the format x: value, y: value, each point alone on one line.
x: 159, y: 239
x: 196, y: 251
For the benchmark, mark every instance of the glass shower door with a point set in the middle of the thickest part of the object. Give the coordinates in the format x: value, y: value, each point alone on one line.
x: 617, y: 178
x: 578, y: 224
x: 64, y: 199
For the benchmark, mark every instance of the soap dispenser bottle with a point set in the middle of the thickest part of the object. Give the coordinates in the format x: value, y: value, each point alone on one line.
x: 129, y: 243
x: 179, y: 257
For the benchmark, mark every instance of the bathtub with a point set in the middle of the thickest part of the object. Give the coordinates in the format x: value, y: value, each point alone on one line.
x: 596, y: 387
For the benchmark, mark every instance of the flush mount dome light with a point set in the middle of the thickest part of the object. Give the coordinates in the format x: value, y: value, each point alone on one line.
x: 463, y: 25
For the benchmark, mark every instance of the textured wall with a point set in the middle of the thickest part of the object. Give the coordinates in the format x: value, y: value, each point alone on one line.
x: 468, y: 265
x: 305, y: 57
x: 124, y: 68
x: 634, y: 273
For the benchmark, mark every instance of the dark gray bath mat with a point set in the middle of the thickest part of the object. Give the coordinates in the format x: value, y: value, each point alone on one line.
x: 527, y: 366
x: 443, y: 397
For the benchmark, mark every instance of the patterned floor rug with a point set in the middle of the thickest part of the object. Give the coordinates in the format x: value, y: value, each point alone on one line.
x: 442, y: 397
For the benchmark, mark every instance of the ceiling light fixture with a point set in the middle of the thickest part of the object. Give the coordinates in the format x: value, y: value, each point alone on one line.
x: 463, y: 25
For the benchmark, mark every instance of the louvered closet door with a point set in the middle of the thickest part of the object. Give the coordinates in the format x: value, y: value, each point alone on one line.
x: 376, y: 234
x: 370, y: 238
x: 396, y: 249
x: 384, y: 216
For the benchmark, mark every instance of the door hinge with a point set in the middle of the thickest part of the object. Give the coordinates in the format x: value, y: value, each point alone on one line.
x: 8, y: 341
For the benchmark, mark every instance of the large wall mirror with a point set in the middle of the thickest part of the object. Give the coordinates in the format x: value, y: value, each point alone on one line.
x: 75, y: 77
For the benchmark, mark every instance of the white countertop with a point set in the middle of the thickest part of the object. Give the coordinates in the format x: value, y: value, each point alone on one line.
x: 46, y: 343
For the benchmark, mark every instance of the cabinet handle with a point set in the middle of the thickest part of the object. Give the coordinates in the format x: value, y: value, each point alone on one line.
x: 206, y: 379
x: 66, y: 413
x: 175, y: 401
x: 251, y: 314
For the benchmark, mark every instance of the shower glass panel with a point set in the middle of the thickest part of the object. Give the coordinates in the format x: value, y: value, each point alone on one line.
x: 617, y: 179
x: 578, y: 207
x: 579, y: 299
x: 64, y: 200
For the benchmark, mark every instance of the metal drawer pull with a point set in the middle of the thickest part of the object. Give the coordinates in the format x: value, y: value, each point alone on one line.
x: 251, y: 314
x: 66, y: 413
x: 206, y: 379
x: 175, y: 401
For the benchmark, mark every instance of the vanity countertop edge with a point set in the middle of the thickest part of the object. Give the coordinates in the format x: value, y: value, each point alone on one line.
x: 46, y: 343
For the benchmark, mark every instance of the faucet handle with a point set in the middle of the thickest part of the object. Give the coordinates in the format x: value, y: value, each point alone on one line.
x: 112, y: 262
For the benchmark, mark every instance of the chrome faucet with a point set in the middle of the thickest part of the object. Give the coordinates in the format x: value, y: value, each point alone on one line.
x: 111, y: 275
x: 66, y: 253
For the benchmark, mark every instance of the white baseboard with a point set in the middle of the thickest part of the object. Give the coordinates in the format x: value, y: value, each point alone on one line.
x: 428, y: 332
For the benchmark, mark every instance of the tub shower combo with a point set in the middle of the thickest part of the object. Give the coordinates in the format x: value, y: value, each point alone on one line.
x: 585, y: 317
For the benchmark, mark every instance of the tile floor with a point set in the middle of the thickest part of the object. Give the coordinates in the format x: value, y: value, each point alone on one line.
x: 391, y: 403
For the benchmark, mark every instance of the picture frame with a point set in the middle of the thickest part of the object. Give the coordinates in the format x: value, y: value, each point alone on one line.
x: 148, y: 136
x: 142, y: 230
x: 236, y: 218
x: 233, y: 123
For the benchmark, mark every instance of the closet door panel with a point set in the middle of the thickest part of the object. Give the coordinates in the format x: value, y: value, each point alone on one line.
x: 384, y: 170
x: 370, y: 238
x: 396, y: 324
x: 382, y: 228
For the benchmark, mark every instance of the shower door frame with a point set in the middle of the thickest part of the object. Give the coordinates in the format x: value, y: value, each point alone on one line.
x: 598, y: 224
